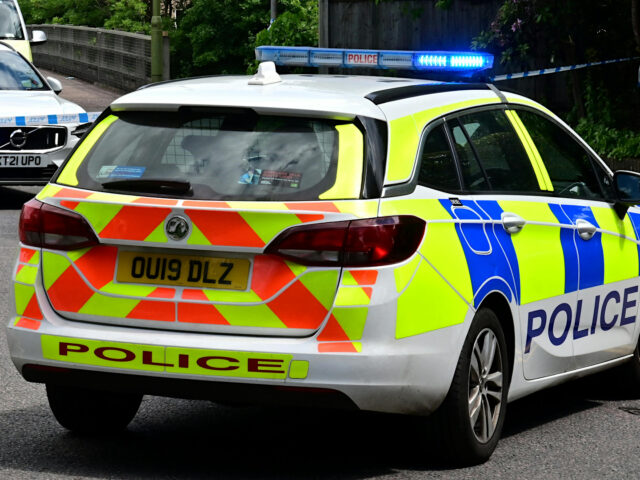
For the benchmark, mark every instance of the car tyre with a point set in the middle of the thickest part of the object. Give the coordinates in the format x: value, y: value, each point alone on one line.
x: 92, y: 411
x: 469, y: 422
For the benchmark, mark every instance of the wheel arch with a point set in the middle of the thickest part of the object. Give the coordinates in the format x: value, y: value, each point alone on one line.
x: 498, y: 303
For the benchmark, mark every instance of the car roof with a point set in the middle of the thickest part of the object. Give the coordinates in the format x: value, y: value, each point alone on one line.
x: 334, y: 96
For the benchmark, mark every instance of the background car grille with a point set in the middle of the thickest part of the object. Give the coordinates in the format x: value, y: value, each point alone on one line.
x: 27, y: 174
x: 38, y: 138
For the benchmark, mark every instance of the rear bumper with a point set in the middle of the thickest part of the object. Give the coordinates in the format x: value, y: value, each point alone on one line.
x: 410, y: 376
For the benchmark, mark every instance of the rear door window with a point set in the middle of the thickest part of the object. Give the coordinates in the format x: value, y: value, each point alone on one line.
x: 226, y: 156
x: 504, y: 162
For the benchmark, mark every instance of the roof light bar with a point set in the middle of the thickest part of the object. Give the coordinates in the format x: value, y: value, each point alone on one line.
x: 436, y: 61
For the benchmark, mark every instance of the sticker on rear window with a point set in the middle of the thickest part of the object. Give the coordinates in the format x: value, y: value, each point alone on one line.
x: 250, y: 177
x: 114, y: 171
x: 281, y: 179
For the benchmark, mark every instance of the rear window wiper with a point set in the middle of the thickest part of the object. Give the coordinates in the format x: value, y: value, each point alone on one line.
x: 151, y: 185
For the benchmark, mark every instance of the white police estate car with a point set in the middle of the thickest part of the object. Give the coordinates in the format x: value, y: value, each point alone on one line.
x: 386, y: 244
x: 36, y: 125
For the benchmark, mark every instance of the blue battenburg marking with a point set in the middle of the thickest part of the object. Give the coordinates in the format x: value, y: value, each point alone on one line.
x: 482, y: 266
x: 635, y: 221
x: 492, y: 285
x: 570, y: 253
x: 494, y: 210
x: 22, y: 121
x: 590, y: 251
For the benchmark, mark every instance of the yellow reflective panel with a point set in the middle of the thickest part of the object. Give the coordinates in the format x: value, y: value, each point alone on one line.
x: 532, y: 156
x: 104, y: 354
x: 352, y: 296
x: 442, y: 248
x: 359, y: 208
x: 22, y: 296
x: 403, y: 145
x: 299, y: 369
x: 404, y: 273
x: 539, y: 251
x: 222, y: 363
x: 429, y: 303
x: 48, y: 191
x: 620, y: 254
x: 404, y: 137
x: 350, y: 163
x: 352, y: 321
x: 27, y: 275
x: 22, y: 46
x: 536, y: 160
x: 68, y: 175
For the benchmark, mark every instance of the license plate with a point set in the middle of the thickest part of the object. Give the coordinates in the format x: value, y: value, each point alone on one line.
x: 183, y: 270
x: 21, y: 161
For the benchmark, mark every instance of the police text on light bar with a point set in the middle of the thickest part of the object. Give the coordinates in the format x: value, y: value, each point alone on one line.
x: 402, y: 60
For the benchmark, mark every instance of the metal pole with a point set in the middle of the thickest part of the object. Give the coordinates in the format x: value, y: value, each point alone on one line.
x: 274, y: 11
x: 156, y: 43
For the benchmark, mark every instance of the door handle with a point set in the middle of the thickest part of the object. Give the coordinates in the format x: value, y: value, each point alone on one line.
x: 511, y: 222
x: 586, y: 230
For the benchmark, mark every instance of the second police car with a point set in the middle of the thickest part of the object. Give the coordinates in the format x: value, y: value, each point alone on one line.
x: 38, y: 128
x: 393, y: 245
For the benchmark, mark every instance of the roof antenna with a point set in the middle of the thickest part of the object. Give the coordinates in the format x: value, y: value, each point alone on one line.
x: 266, y: 75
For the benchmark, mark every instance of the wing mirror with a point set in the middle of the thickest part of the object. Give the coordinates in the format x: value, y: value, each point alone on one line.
x: 55, y: 85
x: 627, y: 185
x: 38, y: 37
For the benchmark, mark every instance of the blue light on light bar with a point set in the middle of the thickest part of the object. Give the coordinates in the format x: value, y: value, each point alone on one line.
x: 435, y: 61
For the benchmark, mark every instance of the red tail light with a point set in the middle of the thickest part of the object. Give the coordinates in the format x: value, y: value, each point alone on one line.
x: 46, y: 226
x: 352, y: 243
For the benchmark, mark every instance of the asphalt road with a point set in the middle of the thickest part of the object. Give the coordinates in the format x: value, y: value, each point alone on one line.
x: 93, y: 98
x: 586, y: 429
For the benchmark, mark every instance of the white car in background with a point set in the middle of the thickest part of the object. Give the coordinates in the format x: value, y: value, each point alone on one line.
x: 36, y: 125
x: 14, y: 31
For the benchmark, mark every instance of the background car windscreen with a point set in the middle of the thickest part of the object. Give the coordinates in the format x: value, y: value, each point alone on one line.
x: 10, y: 26
x: 239, y: 156
x: 16, y: 74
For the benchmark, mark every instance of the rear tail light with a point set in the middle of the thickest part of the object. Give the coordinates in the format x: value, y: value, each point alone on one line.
x: 46, y: 226
x: 351, y: 243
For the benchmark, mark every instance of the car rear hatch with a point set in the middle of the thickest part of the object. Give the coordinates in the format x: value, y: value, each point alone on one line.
x: 166, y: 221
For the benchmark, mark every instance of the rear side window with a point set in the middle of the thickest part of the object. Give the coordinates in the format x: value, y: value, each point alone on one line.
x: 226, y: 156
x: 503, y: 159
x: 472, y: 174
x: 437, y: 165
x: 569, y: 165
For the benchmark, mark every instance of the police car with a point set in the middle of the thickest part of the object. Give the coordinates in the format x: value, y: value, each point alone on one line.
x: 38, y: 128
x: 385, y: 244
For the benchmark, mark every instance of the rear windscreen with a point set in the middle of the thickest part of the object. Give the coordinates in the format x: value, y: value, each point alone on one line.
x: 225, y: 156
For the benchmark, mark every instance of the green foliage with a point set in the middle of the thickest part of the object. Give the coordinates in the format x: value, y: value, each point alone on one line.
x: 92, y: 13
x: 297, y: 26
x: 128, y: 15
x: 610, y: 142
x: 219, y: 36
x: 559, y: 31
x: 598, y: 126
